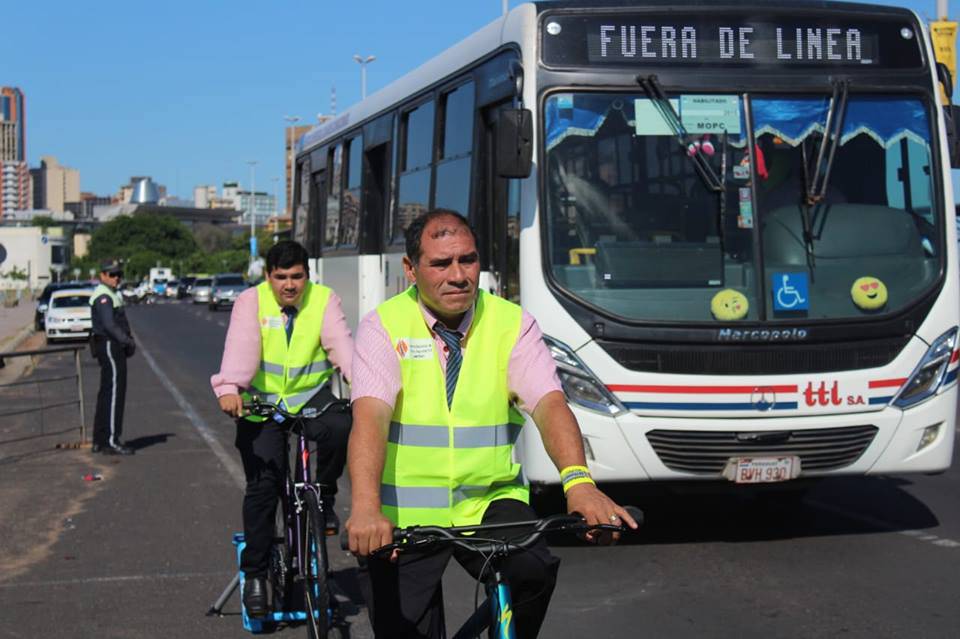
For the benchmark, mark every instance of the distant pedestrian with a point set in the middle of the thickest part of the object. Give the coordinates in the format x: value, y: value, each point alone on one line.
x: 112, y: 345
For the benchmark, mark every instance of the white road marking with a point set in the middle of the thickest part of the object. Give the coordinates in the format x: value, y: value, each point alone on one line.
x: 117, y: 579
x: 919, y: 535
x: 205, y: 431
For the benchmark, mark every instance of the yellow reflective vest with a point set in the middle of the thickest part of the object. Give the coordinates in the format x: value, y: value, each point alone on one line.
x: 444, y: 466
x: 292, y: 373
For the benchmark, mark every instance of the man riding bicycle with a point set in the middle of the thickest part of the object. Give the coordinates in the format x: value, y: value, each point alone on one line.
x: 438, y: 373
x: 285, y: 339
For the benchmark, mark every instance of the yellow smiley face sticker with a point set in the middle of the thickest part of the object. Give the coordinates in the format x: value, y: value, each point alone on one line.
x: 729, y: 304
x: 869, y: 293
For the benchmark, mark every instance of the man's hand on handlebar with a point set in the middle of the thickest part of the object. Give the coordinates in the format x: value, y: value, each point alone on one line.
x: 232, y: 405
x: 369, y: 530
x: 596, y: 508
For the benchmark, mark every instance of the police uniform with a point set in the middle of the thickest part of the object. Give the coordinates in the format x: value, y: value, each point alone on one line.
x: 112, y: 343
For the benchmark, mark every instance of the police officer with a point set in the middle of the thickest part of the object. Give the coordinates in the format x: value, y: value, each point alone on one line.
x: 112, y: 345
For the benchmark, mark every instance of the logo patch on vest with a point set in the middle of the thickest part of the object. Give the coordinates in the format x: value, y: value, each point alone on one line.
x: 415, y: 348
x: 272, y: 322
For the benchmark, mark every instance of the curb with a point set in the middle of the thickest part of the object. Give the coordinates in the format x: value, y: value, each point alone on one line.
x: 18, y: 338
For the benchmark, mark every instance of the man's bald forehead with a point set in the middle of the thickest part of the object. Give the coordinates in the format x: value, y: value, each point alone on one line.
x: 444, y: 226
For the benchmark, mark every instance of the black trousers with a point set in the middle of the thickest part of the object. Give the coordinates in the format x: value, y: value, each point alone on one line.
x: 407, y: 596
x: 108, y: 420
x: 262, y: 447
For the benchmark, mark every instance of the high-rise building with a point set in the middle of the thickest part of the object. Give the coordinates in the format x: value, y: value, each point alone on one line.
x: 14, y: 174
x: 54, y: 185
x: 13, y: 134
x: 291, y: 135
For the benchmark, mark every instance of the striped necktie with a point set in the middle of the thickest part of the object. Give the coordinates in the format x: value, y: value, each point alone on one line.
x: 454, y: 357
x: 291, y: 313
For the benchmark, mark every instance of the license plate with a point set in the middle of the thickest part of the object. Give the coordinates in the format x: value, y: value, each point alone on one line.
x: 762, y: 470
x: 77, y: 329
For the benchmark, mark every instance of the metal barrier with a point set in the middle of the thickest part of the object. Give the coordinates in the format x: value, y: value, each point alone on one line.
x: 78, y: 376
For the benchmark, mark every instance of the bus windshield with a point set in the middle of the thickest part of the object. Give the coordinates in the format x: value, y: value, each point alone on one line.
x: 634, y: 229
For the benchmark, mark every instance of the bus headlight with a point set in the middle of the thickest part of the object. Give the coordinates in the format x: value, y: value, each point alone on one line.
x: 579, y: 383
x: 930, y: 373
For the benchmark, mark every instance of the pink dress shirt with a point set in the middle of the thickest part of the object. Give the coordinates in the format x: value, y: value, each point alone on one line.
x: 241, y: 352
x: 531, y: 373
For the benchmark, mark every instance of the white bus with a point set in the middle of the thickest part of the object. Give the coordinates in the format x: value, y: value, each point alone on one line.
x: 735, y: 224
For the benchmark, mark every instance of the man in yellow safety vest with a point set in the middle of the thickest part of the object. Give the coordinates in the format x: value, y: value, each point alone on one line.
x: 439, y: 372
x: 285, y: 339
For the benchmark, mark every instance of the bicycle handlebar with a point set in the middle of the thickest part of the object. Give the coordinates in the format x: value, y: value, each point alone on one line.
x: 422, y: 537
x: 263, y: 408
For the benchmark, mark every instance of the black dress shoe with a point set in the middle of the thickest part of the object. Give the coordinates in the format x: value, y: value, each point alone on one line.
x: 116, y: 450
x: 255, y: 597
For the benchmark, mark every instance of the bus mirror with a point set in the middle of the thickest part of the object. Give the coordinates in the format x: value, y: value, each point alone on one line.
x: 514, y: 143
x: 945, y: 78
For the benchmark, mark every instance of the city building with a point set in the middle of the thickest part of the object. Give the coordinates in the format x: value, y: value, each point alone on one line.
x: 203, y: 196
x: 83, y: 210
x: 263, y: 204
x: 291, y: 136
x: 33, y: 256
x: 54, y: 185
x: 13, y: 133
x: 14, y: 173
x: 14, y: 187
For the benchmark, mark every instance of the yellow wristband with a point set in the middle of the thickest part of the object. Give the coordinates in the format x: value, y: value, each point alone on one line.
x: 574, y: 475
x: 573, y: 482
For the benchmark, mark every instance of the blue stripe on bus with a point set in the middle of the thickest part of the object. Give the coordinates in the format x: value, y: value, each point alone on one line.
x: 880, y: 400
x: 951, y: 376
x: 706, y: 406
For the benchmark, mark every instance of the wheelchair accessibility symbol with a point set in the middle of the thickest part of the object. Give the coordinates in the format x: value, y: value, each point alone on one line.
x: 791, y: 292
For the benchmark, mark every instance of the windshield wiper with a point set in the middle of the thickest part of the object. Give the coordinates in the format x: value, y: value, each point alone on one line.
x: 815, y: 184
x: 653, y: 89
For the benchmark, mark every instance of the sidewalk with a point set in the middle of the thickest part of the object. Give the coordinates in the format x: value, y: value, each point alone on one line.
x: 15, y: 324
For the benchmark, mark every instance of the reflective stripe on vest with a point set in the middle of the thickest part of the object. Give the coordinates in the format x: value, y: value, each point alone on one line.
x: 294, y: 372
x: 444, y: 466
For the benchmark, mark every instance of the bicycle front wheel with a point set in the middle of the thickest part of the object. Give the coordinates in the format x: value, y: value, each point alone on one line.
x: 314, y: 566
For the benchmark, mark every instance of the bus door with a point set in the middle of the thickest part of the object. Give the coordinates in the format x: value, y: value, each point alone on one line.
x: 377, y: 151
x: 318, y: 206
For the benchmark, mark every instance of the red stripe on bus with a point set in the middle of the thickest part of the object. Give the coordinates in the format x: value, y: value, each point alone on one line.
x: 888, y: 383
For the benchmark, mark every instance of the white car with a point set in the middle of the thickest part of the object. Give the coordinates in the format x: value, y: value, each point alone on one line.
x: 68, y: 315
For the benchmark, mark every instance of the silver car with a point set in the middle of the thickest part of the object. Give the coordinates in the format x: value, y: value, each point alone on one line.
x: 225, y: 290
x: 200, y: 292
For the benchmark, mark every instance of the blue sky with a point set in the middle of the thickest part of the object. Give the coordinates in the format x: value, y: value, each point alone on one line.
x: 188, y: 92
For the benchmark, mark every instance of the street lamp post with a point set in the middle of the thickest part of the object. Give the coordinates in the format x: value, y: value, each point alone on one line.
x: 363, y: 62
x: 292, y: 123
x: 252, y: 210
x: 506, y: 6
x: 942, y: 9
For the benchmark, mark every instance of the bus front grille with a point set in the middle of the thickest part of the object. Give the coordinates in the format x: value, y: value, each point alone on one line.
x: 707, y: 452
x: 754, y: 359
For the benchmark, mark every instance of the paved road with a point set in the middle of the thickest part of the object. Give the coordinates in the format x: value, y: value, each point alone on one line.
x: 877, y: 557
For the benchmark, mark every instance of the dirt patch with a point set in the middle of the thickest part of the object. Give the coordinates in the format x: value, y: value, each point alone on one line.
x: 40, y: 505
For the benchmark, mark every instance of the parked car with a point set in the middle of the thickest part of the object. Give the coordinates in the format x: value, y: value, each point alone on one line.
x: 225, y: 289
x: 68, y: 314
x: 44, y: 300
x: 171, y: 291
x: 201, y: 290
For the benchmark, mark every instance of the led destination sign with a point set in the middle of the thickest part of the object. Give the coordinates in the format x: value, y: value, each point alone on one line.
x: 732, y: 40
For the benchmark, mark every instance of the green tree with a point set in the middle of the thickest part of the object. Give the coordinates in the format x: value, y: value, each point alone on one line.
x: 157, y: 237
x: 44, y: 222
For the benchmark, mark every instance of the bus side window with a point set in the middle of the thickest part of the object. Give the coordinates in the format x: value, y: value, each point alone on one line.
x: 350, y: 211
x: 318, y: 207
x: 452, y: 190
x: 413, y: 184
x: 301, y: 196
x: 331, y: 226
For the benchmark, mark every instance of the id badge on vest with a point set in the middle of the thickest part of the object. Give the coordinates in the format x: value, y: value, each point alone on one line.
x: 415, y: 349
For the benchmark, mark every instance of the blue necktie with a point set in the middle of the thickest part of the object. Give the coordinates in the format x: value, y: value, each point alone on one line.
x: 454, y: 357
x: 291, y: 313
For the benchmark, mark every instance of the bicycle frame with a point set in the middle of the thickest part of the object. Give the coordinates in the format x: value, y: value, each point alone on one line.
x: 495, y: 614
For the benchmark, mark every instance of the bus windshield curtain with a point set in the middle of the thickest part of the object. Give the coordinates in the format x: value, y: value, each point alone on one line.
x: 886, y: 120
